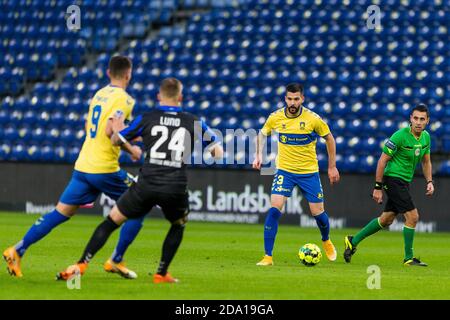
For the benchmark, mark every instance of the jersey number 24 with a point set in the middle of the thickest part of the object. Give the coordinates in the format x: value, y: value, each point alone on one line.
x: 176, y: 143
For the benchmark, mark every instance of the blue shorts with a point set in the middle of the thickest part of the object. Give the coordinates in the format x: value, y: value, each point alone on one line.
x: 284, y: 182
x: 84, y: 188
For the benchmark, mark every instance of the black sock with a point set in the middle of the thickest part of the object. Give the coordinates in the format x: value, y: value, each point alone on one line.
x: 98, y: 239
x: 170, y: 246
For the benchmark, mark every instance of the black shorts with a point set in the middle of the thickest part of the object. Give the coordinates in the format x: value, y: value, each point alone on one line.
x: 139, y: 199
x: 399, y: 199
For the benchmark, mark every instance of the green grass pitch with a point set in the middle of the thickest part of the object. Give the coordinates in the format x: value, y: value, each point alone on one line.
x: 217, y: 261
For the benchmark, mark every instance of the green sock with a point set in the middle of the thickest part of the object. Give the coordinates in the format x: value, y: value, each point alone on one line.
x: 371, y: 228
x: 408, y: 236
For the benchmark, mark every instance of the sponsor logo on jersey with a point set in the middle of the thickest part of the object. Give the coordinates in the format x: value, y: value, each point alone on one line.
x: 302, y: 125
x: 281, y: 189
x: 118, y: 114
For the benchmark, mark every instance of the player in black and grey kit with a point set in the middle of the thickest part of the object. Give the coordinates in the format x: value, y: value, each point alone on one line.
x: 168, y: 135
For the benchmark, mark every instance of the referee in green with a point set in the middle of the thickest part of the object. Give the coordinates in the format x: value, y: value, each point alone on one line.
x: 395, y: 170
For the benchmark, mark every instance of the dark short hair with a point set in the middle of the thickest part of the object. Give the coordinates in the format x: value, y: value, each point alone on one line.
x: 421, y: 108
x: 119, y: 65
x: 170, y: 87
x: 294, y: 87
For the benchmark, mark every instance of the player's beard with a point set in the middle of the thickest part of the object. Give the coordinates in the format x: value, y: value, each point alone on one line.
x: 293, y: 109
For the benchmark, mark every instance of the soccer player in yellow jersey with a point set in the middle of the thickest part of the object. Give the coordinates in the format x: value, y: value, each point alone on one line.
x: 298, y: 129
x: 96, y: 170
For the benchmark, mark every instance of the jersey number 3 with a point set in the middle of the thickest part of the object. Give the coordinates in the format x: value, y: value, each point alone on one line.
x: 95, y: 118
x: 176, y: 143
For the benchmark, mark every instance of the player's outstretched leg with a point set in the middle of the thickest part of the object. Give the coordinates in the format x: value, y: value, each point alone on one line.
x: 97, y: 241
x: 270, y: 233
x: 43, y: 226
x: 170, y: 247
x: 324, y: 227
x: 128, y: 233
x: 352, y: 241
x: 12, y: 259
x: 350, y: 248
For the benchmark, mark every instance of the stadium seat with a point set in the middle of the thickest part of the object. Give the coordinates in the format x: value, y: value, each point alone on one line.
x: 446, y: 144
x: 234, y: 61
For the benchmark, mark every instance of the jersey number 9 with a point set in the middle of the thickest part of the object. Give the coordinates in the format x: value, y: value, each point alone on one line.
x: 95, y: 117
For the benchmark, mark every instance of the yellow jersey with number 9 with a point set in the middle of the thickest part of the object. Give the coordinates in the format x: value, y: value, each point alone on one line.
x: 98, y: 155
x: 297, y: 138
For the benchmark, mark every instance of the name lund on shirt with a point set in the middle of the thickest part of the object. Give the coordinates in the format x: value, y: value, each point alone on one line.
x: 172, y: 122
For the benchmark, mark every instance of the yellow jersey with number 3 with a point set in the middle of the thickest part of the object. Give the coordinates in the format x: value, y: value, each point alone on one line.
x: 297, y: 139
x: 98, y: 155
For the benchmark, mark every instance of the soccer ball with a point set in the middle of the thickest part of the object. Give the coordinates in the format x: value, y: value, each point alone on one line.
x: 310, y: 254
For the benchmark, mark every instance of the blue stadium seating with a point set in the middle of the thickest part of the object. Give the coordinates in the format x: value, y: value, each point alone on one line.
x: 234, y: 61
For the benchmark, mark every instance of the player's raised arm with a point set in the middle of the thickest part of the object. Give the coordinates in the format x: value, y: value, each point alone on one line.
x: 216, y: 151
x: 210, y: 141
x: 427, y: 172
x: 215, y: 148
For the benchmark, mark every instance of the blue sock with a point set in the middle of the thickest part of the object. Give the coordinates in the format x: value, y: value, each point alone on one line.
x: 324, y: 225
x: 40, y: 229
x: 128, y: 233
x: 270, y: 229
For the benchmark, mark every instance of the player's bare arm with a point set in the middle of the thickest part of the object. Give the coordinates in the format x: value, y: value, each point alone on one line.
x: 134, y: 151
x: 216, y: 151
x: 115, y: 124
x: 427, y: 172
x: 333, y: 173
x: 113, y: 127
x: 378, y: 191
x: 260, y: 141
